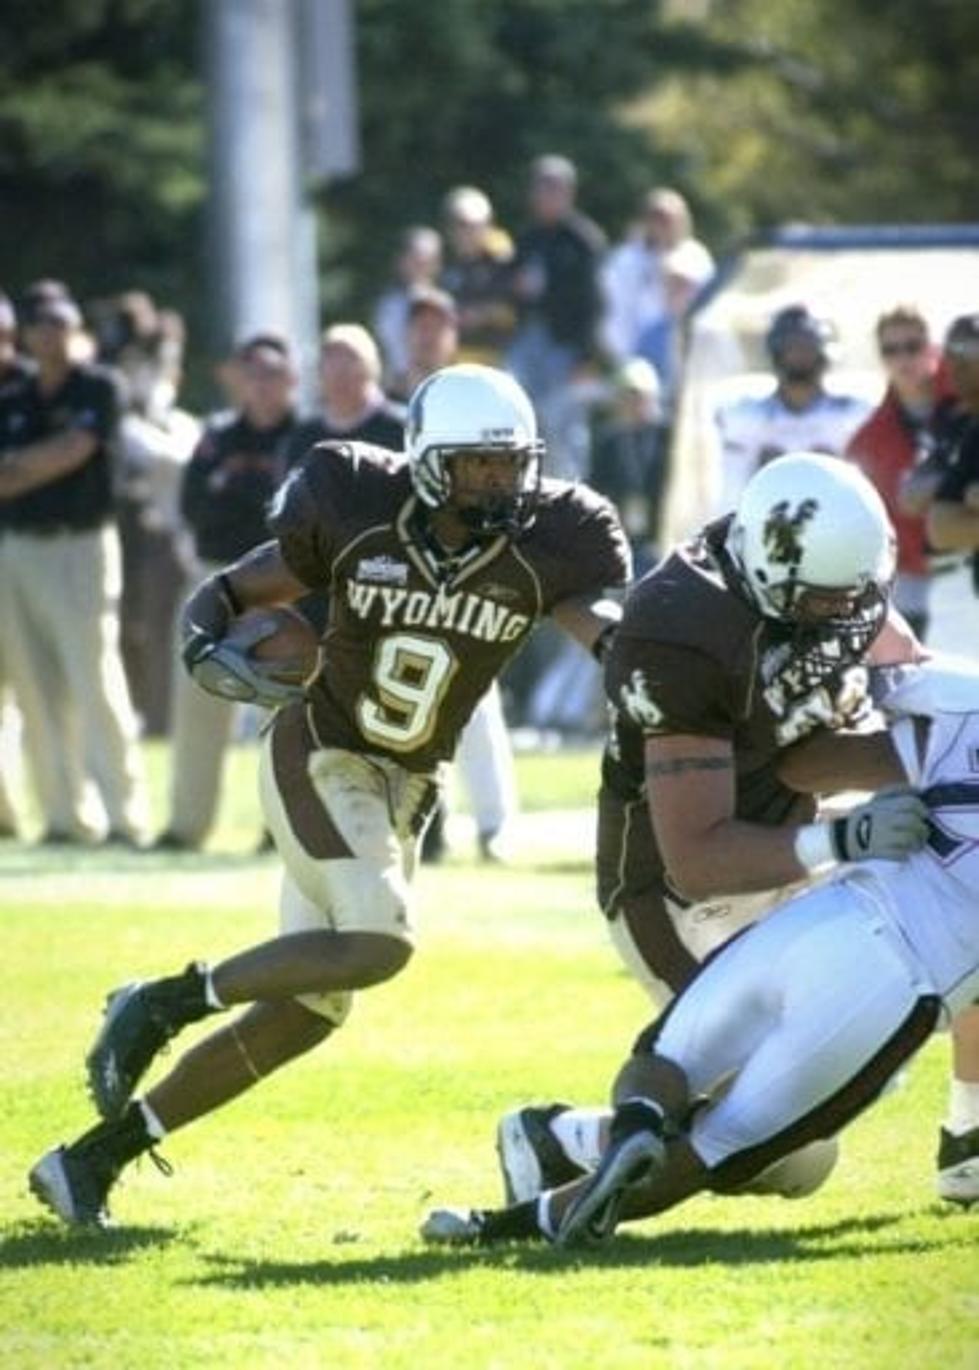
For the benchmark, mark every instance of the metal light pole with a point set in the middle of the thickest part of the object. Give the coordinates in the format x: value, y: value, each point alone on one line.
x: 281, y: 100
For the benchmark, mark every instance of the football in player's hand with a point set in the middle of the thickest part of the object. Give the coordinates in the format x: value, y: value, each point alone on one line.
x: 280, y: 639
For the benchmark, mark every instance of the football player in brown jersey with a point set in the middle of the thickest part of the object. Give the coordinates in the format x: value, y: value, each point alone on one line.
x: 437, y: 563
x: 738, y: 678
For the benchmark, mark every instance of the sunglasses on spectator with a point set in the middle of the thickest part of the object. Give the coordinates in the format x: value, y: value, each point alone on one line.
x: 911, y: 347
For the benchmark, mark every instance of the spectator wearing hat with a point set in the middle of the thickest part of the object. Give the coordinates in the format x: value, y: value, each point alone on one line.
x: 893, y: 439
x: 227, y: 485
x: 432, y: 338
x: 61, y: 579
x: 476, y: 274
x: 555, y: 286
x: 800, y: 413
x: 353, y: 407
x: 649, y: 282
x: 417, y: 263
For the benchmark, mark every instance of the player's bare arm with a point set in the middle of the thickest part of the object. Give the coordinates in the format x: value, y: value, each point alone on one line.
x: 827, y: 762
x: 691, y: 794
x: 260, y: 578
x: 589, y: 619
x: 23, y: 469
x: 895, y: 644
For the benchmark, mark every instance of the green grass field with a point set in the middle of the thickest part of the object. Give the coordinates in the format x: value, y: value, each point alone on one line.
x: 287, y: 1236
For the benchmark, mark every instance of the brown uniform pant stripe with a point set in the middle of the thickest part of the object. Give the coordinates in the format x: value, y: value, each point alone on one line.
x: 833, y: 1114
x: 308, y: 818
x: 630, y: 888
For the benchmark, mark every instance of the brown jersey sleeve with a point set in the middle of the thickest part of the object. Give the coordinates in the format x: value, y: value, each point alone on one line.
x: 582, y: 544
x: 333, y: 493
x: 300, y: 520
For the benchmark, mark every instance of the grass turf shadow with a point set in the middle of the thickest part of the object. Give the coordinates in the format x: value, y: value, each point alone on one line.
x: 39, y: 1243
x: 849, y: 1238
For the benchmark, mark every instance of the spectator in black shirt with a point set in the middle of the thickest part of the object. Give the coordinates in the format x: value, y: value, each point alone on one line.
x: 555, y: 284
x: 61, y: 580
x: 354, y: 407
x: 227, y: 485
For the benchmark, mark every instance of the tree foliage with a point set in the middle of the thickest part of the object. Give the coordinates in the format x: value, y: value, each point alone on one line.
x: 760, y: 110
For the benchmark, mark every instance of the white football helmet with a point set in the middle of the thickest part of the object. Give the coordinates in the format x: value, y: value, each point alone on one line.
x: 470, y: 408
x: 807, y: 522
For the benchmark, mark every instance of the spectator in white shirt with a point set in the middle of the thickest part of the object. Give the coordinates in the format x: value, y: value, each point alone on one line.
x: 649, y: 281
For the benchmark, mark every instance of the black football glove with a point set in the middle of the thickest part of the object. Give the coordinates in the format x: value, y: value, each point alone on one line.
x: 225, y: 669
x: 890, y: 826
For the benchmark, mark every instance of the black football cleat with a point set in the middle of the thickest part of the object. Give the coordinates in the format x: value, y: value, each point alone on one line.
x: 74, y: 1181
x: 75, y: 1186
x: 139, y: 1021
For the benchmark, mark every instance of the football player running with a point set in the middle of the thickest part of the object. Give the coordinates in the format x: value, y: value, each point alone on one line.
x: 738, y: 678
x: 805, y: 1018
x: 437, y: 564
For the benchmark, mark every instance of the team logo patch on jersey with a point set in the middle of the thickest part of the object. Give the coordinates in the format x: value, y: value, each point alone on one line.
x: 638, y: 704
x: 383, y: 570
x: 503, y: 594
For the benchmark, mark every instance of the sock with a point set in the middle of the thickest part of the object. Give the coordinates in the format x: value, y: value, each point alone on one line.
x: 184, y: 998
x: 154, y: 1127
x: 210, y: 993
x: 963, y: 1106
x: 580, y: 1133
x: 511, y: 1224
x: 544, y: 1220
x: 120, y: 1140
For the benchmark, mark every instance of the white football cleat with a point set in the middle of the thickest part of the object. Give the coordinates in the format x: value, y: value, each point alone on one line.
x: 452, y: 1227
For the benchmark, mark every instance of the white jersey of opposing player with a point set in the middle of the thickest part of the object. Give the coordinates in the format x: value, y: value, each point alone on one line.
x: 752, y: 430
x: 933, y: 897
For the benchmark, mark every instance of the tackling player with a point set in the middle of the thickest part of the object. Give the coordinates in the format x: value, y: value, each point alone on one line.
x: 793, y: 1029
x: 738, y: 678
x: 437, y: 564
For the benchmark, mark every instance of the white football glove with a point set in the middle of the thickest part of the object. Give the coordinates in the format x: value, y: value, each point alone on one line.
x: 889, y: 826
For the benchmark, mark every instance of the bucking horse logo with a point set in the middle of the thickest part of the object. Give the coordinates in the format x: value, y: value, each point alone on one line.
x: 782, y: 530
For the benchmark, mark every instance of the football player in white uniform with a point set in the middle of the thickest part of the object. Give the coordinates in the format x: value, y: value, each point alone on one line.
x: 806, y: 1017
x: 799, y: 415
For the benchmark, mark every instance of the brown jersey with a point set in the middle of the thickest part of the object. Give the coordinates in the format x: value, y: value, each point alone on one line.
x: 415, y: 637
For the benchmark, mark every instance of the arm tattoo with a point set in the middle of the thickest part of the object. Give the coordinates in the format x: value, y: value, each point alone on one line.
x: 654, y: 769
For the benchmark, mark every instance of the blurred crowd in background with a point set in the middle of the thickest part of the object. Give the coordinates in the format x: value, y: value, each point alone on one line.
x: 114, y: 500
